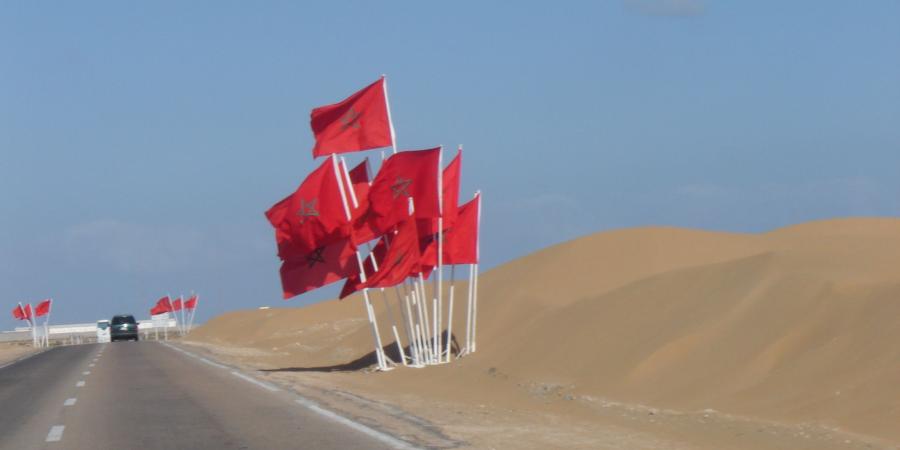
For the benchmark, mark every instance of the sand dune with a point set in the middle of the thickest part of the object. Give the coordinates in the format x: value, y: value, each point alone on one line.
x: 798, y: 325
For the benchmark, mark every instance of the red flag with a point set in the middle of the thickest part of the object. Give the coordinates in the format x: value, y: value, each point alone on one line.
x: 404, y: 175
x: 359, y: 177
x: 191, y: 303
x: 43, y: 308
x: 19, y: 313
x: 163, y: 305
x: 156, y: 310
x: 360, y: 122
x: 354, y: 280
x: 460, y: 241
x: 311, y: 217
x: 176, y: 305
x: 27, y: 312
x: 401, y: 259
x: 449, y: 200
x: 320, y: 267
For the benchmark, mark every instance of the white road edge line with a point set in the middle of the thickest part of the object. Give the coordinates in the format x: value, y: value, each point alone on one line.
x: 80, y: 384
x: 55, y: 434
x: 70, y: 402
x: 310, y: 405
x: 255, y: 381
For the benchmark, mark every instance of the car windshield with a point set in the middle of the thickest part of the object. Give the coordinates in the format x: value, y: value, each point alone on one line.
x: 118, y: 320
x: 103, y: 325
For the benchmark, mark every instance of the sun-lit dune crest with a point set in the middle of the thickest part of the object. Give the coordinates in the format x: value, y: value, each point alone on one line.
x: 800, y: 324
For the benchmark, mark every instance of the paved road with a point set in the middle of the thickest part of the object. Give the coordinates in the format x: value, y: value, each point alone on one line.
x: 145, y: 395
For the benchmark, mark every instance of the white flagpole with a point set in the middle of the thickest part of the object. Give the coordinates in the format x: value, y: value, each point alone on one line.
x: 31, y: 322
x: 379, y: 351
x: 477, y: 259
x: 181, y: 297
x: 387, y: 105
x: 450, y: 312
x: 194, y: 312
x: 47, y: 324
x: 440, y: 254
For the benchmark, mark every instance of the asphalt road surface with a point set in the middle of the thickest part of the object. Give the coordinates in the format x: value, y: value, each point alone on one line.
x: 145, y: 395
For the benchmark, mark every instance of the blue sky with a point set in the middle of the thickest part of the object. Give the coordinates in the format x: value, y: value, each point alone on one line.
x: 140, y: 143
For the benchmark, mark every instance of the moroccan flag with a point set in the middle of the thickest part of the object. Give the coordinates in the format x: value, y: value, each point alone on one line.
x: 353, y: 281
x: 156, y: 310
x: 460, y: 240
x: 359, y: 177
x: 163, y: 305
x: 176, y: 305
x: 19, y: 313
x: 191, y: 303
x: 43, y: 308
x: 404, y: 175
x: 450, y: 197
x: 400, y: 260
x: 311, y: 217
x: 27, y: 311
x: 320, y: 267
x: 361, y: 122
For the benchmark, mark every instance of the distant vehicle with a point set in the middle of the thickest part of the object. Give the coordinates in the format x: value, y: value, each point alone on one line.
x: 124, y: 327
x: 102, y: 331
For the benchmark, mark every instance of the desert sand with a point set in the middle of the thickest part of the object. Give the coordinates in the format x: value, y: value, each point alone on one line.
x: 650, y: 337
x: 11, y: 351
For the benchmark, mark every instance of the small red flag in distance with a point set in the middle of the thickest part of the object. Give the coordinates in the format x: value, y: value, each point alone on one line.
x: 43, y: 308
x: 28, y: 313
x: 401, y: 259
x: 405, y: 175
x: 176, y: 305
x: 360, y: 122
x: 320, y: 267
x: 312, y: 217
x: 163, y: 305
x: 191, y: 303
x: 19, y: 313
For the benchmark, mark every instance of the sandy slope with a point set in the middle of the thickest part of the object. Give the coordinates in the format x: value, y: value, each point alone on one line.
x: 796, y: 328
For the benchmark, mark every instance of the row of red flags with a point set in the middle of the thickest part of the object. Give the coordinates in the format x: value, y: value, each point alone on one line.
x: 25, y: 313
x: 336, y: 209
x: 165, y: 305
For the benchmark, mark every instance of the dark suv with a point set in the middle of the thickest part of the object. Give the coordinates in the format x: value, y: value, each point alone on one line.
x: 123, y: 327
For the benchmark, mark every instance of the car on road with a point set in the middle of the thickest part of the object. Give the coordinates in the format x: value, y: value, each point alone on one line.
x: 102, y: 331
x: 123, y: 327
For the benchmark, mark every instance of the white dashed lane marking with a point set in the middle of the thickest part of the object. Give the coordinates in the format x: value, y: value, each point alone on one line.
x: 55, y: 434
x: 91, y: 365
x: 79, y: 384
x: 87, y: 372
x: 70, y: 402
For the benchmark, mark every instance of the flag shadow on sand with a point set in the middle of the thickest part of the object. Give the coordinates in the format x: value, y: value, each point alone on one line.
x: 365, y: 361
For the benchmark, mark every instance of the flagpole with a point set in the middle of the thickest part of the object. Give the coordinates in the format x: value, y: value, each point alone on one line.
x: 440, y: 255
x: 387, y: 106
x: 450, y: 311
x: 181, y: 329
x: 477, y: 259
x: 379, y: 350
x: 193, y: 311
x: 47, y: 324
x: 34, y: 342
